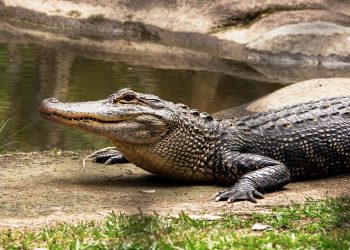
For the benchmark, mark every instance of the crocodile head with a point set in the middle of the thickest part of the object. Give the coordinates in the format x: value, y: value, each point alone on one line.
x: 159, y: 136
x: 125, y: 116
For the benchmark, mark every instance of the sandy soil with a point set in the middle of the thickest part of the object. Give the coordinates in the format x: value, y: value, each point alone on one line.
x: 44, y: 188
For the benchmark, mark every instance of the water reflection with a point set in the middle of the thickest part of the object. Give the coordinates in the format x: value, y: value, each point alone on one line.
x: 30, y: 73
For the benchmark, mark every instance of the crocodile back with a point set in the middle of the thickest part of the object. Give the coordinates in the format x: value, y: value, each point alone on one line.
x: 311, y: 139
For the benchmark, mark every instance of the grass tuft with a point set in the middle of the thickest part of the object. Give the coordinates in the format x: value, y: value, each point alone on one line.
x: 4, y: 143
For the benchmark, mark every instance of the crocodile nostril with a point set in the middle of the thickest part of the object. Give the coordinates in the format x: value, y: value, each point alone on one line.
x: 54, y: 100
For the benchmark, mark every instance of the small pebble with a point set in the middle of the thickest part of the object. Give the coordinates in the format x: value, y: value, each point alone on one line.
x: 208, y: 217
x: 149, y: 191
x: 260, y: 227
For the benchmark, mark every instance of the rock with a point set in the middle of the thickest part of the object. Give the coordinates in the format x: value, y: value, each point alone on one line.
x: 312, y: 33
x: 302, y: 92
x: 260, y: 227
x: 207, y: 217
x: 297, y: 93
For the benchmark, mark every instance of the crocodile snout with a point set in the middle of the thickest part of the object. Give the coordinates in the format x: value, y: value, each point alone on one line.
x: 44, y: 106
x: 53, y: 100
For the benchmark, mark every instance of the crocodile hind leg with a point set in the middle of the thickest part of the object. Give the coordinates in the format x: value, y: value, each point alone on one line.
x: 107, y: 156
x: 261, y: 174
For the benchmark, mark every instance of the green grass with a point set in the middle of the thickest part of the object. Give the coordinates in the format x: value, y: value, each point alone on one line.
x: 5, y: 142
x: 2, y: 127
x: 315, y: 225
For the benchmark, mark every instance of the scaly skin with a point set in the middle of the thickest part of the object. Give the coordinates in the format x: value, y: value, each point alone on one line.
x: 257, y: 154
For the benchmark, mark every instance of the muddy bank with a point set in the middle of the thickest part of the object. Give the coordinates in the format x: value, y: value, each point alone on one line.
x: 303, y: 39
x: 39, y: 188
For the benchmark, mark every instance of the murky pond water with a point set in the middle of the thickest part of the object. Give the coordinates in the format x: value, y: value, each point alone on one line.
x: 30, y: 73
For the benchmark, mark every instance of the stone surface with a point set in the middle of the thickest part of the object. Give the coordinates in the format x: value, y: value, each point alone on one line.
x: 313, y: 33
x: 297, y: 93
x: 302, y: 92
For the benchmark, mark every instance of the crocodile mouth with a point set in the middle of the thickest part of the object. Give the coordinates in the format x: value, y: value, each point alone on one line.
x: 58, y: 112
x: 89, y: 114
x: 84, y: 119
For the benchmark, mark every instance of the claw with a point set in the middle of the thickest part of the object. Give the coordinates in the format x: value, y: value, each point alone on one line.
x: 235, y: 194
x: 218, y: 198
x: 218, y: 193
x: 215, y: 195
x: 250, y: 197
x: 109, y: 161
x: 258, y: 194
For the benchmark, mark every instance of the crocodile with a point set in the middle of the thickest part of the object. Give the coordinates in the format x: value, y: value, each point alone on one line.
x: 254, y: 154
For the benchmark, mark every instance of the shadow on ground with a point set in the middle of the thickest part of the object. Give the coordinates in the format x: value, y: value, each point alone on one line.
x: 44, y: 188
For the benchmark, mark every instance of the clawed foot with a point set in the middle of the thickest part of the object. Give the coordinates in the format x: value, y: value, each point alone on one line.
x: 238, y: 193
x: 107, y: 156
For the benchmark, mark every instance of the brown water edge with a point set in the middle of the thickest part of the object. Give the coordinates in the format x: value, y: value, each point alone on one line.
x: 51, y: 187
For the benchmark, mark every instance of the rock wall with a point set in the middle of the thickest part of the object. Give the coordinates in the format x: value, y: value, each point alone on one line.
x: 264, y: 34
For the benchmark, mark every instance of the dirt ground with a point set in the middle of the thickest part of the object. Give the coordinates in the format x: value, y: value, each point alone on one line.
x: 49, y: 187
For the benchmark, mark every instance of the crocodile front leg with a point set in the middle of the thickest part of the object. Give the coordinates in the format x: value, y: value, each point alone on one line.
x: 260, y: 174
x: 108, y: 156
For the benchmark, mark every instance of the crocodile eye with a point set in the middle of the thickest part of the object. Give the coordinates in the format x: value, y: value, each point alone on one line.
x: 128, y: 97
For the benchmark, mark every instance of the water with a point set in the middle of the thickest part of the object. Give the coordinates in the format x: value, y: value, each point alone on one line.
x: 30, y: 73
